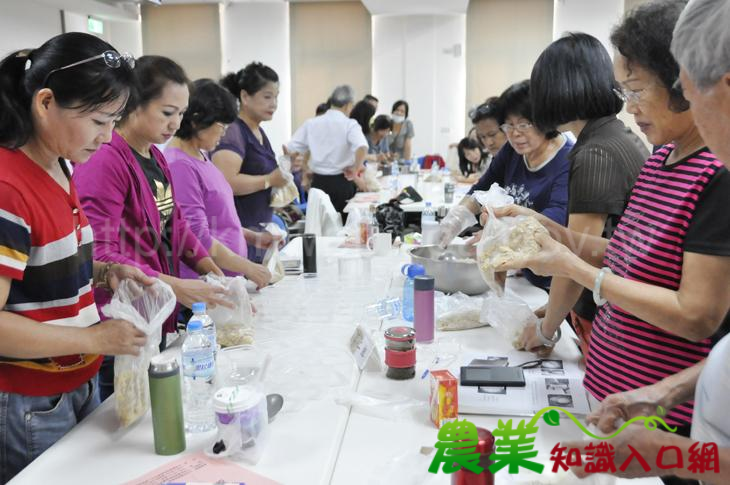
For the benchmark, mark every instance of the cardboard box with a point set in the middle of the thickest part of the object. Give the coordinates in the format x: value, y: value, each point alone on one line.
x: 444, y: 397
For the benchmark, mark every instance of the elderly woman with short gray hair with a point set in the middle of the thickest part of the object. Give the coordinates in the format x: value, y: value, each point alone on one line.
x: 337, y: 148
x: 701, y: 45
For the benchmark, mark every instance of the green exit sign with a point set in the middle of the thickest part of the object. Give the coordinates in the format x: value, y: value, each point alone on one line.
x: 95, y: 26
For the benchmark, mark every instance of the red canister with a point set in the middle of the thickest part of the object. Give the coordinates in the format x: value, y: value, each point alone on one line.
x: 485, y: 448
x: 400, y: 352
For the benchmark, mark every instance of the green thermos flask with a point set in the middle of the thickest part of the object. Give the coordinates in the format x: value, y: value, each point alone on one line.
x: 166, y: 399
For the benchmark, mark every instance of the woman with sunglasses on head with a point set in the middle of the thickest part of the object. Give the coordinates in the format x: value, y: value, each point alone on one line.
x: 128, y: 194
x: 664, y: 285
x: 533, y: 168
x: 58, y: 101
x: 245, y: 156
x: 202, y: 192
x: 486, y: 123
x: 572, y: 87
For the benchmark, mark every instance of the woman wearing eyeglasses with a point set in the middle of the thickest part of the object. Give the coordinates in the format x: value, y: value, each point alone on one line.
x: 662, y: 282
x: 572, y: 87
x: 202, y: 192
x: 128, y: 194
x: 57, y: 101
x: 533, y: 168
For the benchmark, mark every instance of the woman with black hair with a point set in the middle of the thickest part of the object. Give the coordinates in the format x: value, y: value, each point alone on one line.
x: 471, y: 163
x: 245, y: 156
x: 485, y: 118
x: 363, y: 113
x: 203, y: 194
x: 662, y: 280
x: 572, y: 87
x: 401, y: 136
x: 533, y: 168
x: 378, y: 149
x: 58, y: 101
x: 127, y: 191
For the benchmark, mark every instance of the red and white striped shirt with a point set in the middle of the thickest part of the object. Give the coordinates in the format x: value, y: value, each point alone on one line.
x: 46, y: 247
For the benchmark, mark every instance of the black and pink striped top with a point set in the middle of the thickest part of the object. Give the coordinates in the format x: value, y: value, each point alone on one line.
x: 648, y: 246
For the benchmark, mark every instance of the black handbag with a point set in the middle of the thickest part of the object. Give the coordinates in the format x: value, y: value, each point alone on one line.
x: 391, y: 218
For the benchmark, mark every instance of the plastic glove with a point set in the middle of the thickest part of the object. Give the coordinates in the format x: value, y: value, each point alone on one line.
x: 458, y: 219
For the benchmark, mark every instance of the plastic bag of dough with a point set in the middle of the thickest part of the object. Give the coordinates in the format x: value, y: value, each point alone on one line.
x: 504, y: 240
x: 233, y: 326
x: 283, y: 196
x: 146, y: 308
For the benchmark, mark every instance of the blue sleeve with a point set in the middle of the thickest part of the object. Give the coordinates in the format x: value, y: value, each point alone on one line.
x: 557, y: 206
x: 495, y: 172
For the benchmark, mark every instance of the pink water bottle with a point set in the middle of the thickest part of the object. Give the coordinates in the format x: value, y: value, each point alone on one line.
x: 423, y: 308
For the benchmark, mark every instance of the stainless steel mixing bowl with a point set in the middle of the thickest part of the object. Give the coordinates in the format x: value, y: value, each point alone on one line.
x: 451, y: 276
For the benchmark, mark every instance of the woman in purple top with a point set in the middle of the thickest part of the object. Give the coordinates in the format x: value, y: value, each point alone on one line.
x: 203, y: 194
x: 245, y: 156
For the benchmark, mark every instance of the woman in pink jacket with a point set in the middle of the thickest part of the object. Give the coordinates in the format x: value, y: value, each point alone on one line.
x: 128, y: 197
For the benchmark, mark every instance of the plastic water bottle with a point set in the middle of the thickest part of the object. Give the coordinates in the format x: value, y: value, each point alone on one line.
x: 198, y: 373
x: 428, y: 214
x: 199, y: 313
x: 414, y: 166
x: 386, y: 308
x: 394, y: 172
x: 429, y: 226
x: 411, y: 271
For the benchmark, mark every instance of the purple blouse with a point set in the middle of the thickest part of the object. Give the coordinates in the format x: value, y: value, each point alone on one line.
x: 258, y: 159
x: 206, y: 201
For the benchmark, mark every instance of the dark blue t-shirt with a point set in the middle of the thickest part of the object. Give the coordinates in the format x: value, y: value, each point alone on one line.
x: 544, y: 189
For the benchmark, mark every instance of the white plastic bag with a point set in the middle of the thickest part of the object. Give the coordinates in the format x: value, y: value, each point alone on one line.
x: 504, y: 239
x: 146, y: 308
x: 370, y: 176
x: 283, y: 196
x: 272, y: 258
x: 496, y: 196
x: 233, y: 326
x: 272, y: 261
x: 458, y: 311
x: 509, y: 315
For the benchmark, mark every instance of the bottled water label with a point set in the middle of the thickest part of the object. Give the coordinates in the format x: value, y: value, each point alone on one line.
x: 199, y: 365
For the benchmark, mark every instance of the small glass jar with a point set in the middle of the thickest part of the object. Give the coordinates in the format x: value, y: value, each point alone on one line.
x: 400, y: 353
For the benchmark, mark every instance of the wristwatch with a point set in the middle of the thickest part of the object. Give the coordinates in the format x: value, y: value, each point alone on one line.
x: 547, y: 342
x: 267, y: 184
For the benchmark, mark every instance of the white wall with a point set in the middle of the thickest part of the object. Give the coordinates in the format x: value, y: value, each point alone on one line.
x: 260, y: 32
x: 595, y: 17
x: 29, y: 24
x: 413, y: 59
x: 25, y: 24
x: 125, y: 35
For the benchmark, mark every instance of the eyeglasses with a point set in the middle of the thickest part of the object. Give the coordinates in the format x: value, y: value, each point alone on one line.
x: 629, y: 95
x: 222, y: 126
x: 112, y: 59
x: 521, y: 127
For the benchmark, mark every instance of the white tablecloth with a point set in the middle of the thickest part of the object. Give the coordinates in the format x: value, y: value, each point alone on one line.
x: 305, y: 324
x: 430, y: 191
